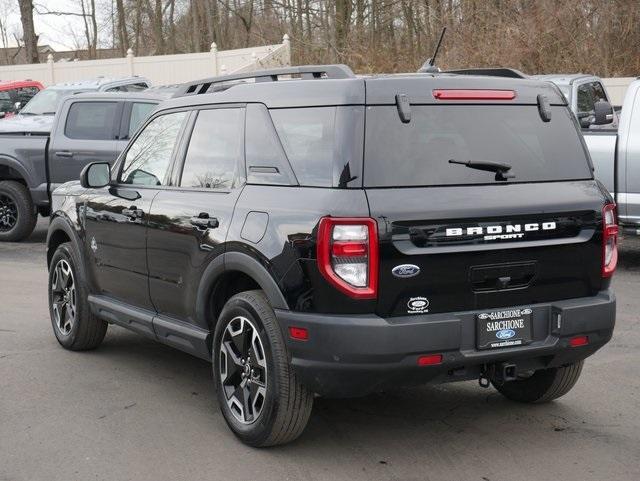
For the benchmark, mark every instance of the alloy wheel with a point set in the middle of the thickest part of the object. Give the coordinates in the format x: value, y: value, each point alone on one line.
x: 63, y: 297
x: 8, y: 213
x: 243, y: 370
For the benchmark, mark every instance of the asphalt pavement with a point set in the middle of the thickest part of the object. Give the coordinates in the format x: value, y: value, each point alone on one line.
x: 137, y: 410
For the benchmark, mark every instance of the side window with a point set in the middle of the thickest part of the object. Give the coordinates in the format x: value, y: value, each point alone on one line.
x: 308, y: 138
x: 585, y: 99
x: 215, y: 150
x: 91, y: 120
x: 148, y: 159
x: 6, y: 103
x: 120, y: 88
x: 265, y: 158
x: 139, y: 113
x: 135, y: 87
x: 24, y: 94
x: 598, y: 92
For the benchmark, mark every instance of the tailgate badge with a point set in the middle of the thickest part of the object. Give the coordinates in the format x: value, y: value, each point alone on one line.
x: 405, y: 270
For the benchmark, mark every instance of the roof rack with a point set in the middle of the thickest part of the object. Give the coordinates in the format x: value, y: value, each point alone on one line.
x: 490, y: 72
x: 306, y: 72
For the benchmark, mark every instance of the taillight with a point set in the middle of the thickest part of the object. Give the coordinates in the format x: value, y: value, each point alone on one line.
x: 609, y: 240
x: 348, y: 255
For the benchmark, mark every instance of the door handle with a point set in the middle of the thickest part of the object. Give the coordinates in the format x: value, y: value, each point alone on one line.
x: 64, y: 153
x: 204, y: 222
x: 133, y: 213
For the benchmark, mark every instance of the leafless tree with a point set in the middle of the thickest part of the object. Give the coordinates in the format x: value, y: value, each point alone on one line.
x: 29, y: 37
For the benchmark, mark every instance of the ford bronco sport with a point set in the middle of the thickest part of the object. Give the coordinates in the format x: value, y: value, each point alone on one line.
x: 313, y: 232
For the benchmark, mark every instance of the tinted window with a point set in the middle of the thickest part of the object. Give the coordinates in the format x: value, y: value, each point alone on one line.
x: 418, y: 153
x: 136, y: 87
x: 148, y: 159
x: 139, y: 113
x: 6, y: 102
x: 214, y: 150
x: 266, y: 160
x: 24, y: 94
x: 307, y: 136
x: 598, y: 92
x: 585, y: 99
x: 91, y: 120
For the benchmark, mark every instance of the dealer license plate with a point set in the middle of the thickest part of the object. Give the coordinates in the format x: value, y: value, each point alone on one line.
x: 504, y: 328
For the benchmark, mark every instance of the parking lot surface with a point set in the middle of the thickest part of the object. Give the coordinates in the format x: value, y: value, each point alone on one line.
x: 137, y: 410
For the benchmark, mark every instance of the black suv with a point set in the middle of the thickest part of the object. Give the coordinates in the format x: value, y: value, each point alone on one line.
x: 313, y: 232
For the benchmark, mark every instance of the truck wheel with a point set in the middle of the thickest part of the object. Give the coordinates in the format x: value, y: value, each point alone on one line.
x: 74, y: 325
x: 17, y: 215
x: 260, y: 398
x: 543, y: 386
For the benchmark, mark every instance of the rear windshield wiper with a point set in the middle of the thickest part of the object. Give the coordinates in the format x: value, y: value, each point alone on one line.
x: 500, y: 168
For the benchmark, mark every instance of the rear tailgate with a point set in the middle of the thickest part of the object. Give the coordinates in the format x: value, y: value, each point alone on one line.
x: 508, y: 246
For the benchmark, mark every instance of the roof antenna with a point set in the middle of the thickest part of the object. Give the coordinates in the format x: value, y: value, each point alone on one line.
x: 430, y: 65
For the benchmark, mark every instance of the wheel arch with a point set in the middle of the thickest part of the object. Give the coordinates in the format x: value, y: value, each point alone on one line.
x: 229, y: 274
x: 60, y: 231
x: 11, y: 169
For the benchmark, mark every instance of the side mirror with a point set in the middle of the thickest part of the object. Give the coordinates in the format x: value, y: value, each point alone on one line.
x: 17, y: 106
x: 96, y: 175
x: 2, y: 114
x: 603, y: 113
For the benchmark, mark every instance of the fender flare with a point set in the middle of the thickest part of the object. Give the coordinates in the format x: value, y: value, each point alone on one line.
x: 237, y: 261
x: 61, y: 223
x: 17, y: 166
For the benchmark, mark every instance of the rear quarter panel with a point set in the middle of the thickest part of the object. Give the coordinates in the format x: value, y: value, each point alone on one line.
x: 286, y: 247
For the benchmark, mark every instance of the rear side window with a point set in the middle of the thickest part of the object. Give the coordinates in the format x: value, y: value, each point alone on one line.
x: 91, y: 120
x: 139, y: 113
x: 418, y: 153
x: 215, y: 149
x: 307, y: 136
x: 323, y: 144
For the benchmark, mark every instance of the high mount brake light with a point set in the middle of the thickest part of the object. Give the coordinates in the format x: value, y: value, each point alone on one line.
x: 609, y: 240
x: 347, y: 253
x: 469, y: 94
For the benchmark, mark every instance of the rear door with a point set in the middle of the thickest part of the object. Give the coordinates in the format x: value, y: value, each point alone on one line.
x: 454, y: 238
x: 85, y: 131
x: 188, y: 224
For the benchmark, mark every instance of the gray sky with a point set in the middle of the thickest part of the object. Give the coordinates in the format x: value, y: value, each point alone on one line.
x: 61, y: 32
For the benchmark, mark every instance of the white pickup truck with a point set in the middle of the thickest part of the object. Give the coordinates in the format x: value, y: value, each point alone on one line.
x: 616, y: 158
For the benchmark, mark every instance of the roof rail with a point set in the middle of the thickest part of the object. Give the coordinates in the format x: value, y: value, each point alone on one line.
x: 490, y: 72
x: 306, y: 72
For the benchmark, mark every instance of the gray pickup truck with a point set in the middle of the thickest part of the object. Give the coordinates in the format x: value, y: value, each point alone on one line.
x: 583, y: 92
x: 87, y: 127
x: 616, y: 158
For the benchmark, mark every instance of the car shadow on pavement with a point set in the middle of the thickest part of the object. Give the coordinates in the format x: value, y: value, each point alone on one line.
x: 446, y: 410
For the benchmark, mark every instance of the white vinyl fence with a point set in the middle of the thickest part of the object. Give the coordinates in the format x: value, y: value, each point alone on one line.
x: 160, y: 69
x: 617, y: 87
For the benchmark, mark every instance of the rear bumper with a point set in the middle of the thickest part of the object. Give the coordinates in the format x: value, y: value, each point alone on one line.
x: 359, y: 354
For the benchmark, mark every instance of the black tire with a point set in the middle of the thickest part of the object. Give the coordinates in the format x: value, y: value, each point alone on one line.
x: 85, y: 331
x: 286, y: 406
x: 543, y: 386
x: 21, y: 221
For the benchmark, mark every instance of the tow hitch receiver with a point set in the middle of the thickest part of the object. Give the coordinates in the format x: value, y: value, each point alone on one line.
x: 498, y: 373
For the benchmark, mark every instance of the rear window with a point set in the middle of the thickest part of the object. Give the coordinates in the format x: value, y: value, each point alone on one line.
x: 91, y: 120
x: 418, y: 153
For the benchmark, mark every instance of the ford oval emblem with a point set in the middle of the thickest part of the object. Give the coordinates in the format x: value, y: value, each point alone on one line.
x: 405, y: 270
x: 505, y: 334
